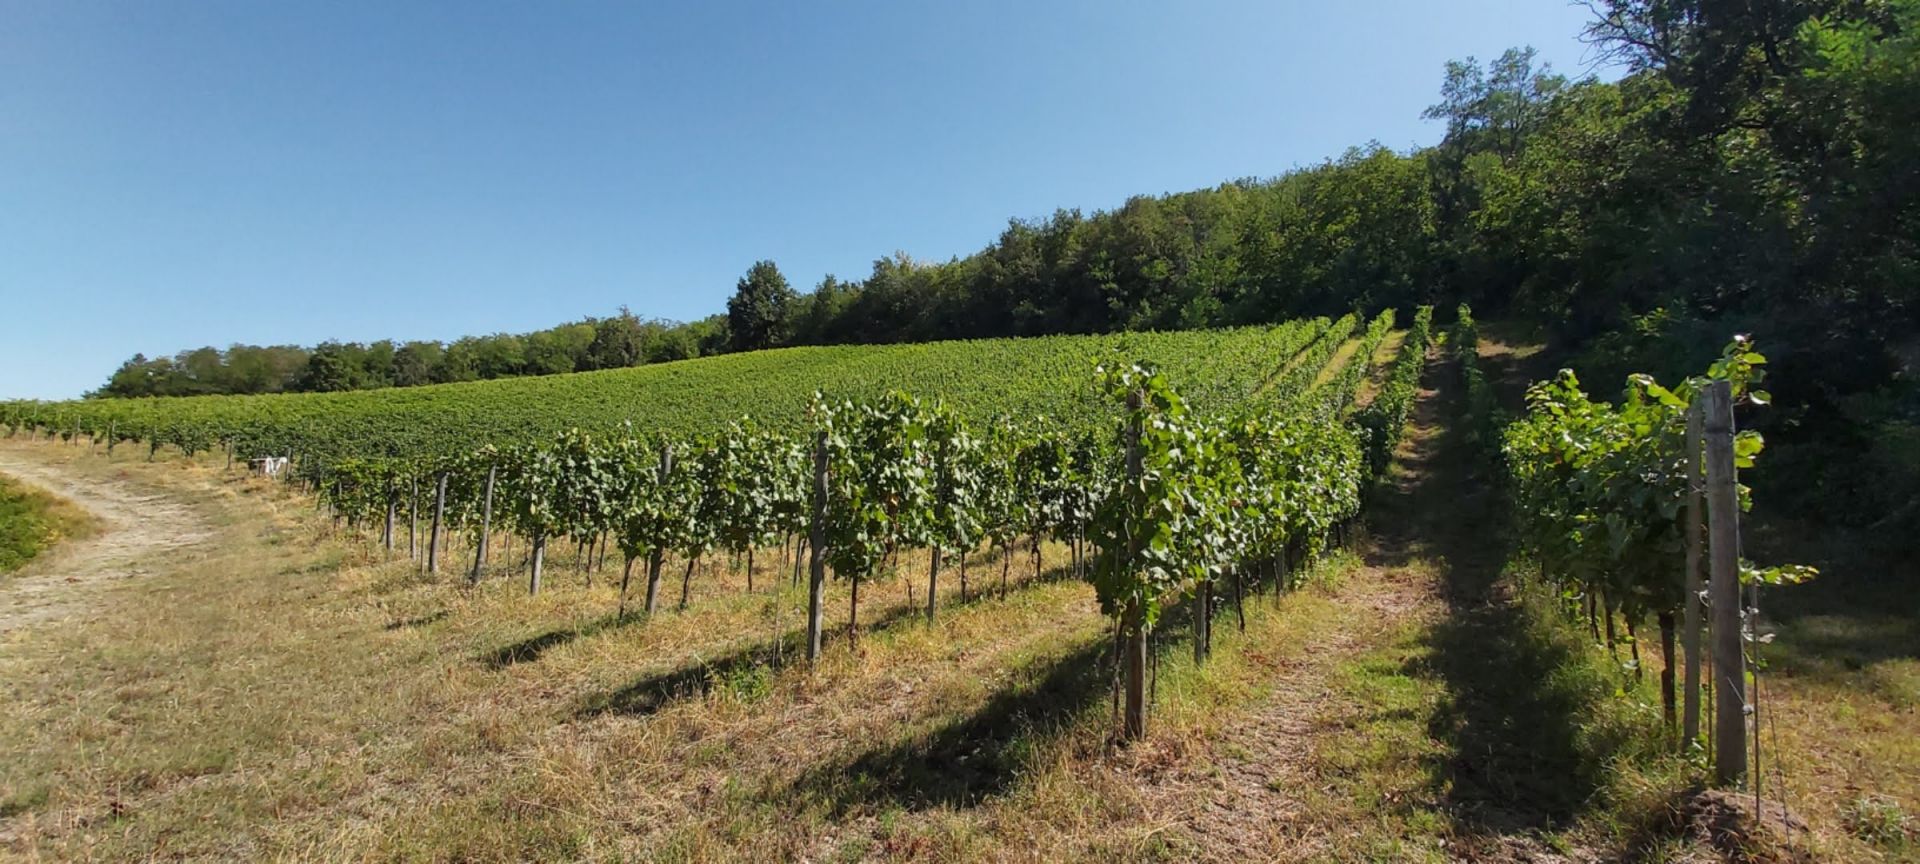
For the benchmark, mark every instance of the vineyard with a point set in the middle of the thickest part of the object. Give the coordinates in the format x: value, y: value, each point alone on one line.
x: 1039, y: 377
x: 1177, y: 476
x: 1172, y: 465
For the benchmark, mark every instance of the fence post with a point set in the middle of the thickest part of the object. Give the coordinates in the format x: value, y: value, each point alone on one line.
x: 1723, y: 556
x: 816, y: 540
x: 1690, y: 610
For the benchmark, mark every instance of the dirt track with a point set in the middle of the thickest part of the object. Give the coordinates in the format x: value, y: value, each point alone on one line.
x: 135, y: 530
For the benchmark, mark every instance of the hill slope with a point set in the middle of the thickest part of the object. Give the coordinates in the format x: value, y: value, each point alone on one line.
x: 1021, y: 378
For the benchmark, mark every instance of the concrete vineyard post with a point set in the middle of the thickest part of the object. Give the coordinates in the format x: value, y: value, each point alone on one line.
x: 816, y: 560
x: 1723, y: 557
x: 1690, y: 610
x: 486, y: 525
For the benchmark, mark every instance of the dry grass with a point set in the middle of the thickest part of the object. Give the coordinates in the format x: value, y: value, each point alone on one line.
x: 282, y: 692
x: 1841, y: 728
x: 1341, y: 356
x: 1380, y: 364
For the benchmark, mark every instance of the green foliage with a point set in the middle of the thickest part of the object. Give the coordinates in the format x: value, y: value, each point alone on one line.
x: 1384, y: 421
x: 1214, y: 492
x: 1209, y: 495
x: 958, y: 477
x: 978, y: 380
x: 878, y: 490
x: 760, y: 311
x: 1483, y: 418
x: 1598, y: 488
x: 28, y: 524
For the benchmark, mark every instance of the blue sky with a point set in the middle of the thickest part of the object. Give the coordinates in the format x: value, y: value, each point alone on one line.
x: 183, y: 174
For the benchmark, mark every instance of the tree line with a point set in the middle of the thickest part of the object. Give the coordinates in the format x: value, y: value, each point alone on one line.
x: 615, y: 342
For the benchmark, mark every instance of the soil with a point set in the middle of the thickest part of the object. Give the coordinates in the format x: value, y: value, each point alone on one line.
x: 136, y: 528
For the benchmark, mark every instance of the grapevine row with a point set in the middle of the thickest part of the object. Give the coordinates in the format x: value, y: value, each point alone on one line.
x: 1162, y: 503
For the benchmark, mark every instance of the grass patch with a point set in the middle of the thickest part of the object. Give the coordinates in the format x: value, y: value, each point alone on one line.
x: 33, y: 521
x: 1467, y: 735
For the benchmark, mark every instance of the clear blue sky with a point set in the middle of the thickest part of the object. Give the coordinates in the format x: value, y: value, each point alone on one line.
x: 183, y: 174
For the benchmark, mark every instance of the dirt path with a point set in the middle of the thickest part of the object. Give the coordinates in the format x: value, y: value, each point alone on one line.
x: 1242, y: 803
x: 136, y: 529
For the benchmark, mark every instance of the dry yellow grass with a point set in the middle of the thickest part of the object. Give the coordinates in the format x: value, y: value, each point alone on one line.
x: 279, y: 691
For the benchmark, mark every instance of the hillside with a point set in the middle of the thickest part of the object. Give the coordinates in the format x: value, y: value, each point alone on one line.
x: 1050, y: 376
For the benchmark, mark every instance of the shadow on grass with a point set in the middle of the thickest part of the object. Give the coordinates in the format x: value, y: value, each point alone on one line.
x: 1858, y: 613
x: 981, y: 755
x: 1518, y: 690
x: 529, y: 649
x: 1517, y: 756
x: 1832, y: 646
x: 974, y: 757
x: 695, y: 679
x: 418, y: 621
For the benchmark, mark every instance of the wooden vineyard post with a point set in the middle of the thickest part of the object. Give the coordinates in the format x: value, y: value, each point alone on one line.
x: 536, y: 560
x: 1202, y: 619
x: 413, y: 518
x: 486, y: 525
x: 439, y: 511
x: 1133, y: 622
x: 933, y: 581
x: 816, y: 541
x: 1690, y: 611
x: 658, y: 556
x: 386, y: 534
x: 1723, y: 558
